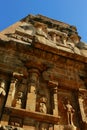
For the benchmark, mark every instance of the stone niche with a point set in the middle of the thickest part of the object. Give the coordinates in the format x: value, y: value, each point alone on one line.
x: 67, y: 110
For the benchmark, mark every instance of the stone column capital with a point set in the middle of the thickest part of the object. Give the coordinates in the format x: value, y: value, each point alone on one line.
x: 17, y: 75
x: 53, y: 85
x: 34, y: 70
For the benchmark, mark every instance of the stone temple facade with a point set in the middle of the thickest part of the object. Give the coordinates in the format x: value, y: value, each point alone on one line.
x: 43, y: 76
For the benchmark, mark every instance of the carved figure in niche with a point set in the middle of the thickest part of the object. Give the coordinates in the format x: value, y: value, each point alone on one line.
x: 18, y: 103
x: 59, y: 39
x: 19, y: 100
x: 43, y: 108
x: 42, y: 105
x: 41, y: 29
x: 64, y: 40
x: 53, y: 36
x: 2, y: 89
x: 70, y: 112
x: 75, y: 38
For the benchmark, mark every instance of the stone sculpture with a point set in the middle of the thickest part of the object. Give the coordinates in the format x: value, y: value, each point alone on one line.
x: 2, y: 89
x: 70, y: 112
x: 42, y: 106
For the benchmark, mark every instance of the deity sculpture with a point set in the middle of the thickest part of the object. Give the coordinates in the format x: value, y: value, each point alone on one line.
x: 42, y: 105
x: 70, y: 112
x: 19, y: 100
x: 43, y: 108
x: 41, y: 29
x: 2, y: 89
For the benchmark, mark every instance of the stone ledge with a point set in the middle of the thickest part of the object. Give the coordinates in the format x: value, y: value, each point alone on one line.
x: 22, y: 113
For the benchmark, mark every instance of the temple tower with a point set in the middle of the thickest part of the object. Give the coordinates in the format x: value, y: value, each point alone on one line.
x: 43, y: 76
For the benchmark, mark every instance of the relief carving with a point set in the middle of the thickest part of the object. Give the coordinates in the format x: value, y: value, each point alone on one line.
x: 14, y: 121
x: 2, y: 92
x: 42, y: 105
x: 41, y: 29
x: 2, y: 89
x: 21, y: 37
x: 19, y: 100
x: 55, y: 38
x: 26, y: 28
x: 66, y: 107
x: 70, y: 112
x: 83, y: 104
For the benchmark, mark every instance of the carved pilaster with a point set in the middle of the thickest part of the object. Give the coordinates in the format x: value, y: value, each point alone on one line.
x: 55, y: 110
x: 11, y: 93
x: 32, y: 86
x: 53, y: 86
x: 12, y: 89
x: 83, y: 104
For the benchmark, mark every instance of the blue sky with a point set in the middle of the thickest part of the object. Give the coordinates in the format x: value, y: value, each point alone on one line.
x: 73, y: 12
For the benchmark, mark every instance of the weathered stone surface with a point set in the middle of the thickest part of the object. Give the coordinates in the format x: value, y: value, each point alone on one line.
x: 49, y: 63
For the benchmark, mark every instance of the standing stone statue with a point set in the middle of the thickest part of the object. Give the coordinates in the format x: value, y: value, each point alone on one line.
x: 43, y: 107
x: 19, y: 100
x: 2, y: 92
x: 2, y: 89
x: 70, y: 112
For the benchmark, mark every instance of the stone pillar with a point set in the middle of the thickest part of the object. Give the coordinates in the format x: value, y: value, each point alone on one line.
x: 2, y: 96
x: 32, y: 86
x: 55, y: 99
x: 11, y: 93
x: 54, y: 88
x: 12, y: 89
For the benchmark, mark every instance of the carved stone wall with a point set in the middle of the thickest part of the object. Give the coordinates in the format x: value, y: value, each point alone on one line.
x: 42, y: 76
